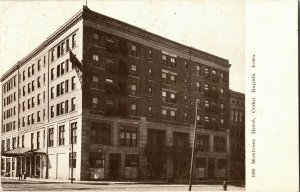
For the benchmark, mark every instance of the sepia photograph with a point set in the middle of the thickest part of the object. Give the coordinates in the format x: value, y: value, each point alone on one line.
x: 123, y: 95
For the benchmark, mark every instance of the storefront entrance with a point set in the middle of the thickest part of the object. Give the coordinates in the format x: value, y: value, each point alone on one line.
x: 114, y: 165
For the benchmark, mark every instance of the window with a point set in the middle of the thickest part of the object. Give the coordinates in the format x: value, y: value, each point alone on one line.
x: 24, y: 92
x: 163, y: 96
x: 150, y: 53
x: 73, y: 104
x: 57, y: 90
x: 198, y: 122
x: 28, y: 104
x: 39, y: 82
x: 128, y: 136
x: 66, y: 106
x: 133, y: 89
x: 173, y: 62
x: 32, y: 118
x: 185, y: 99
x: 29, y: 71
x: 73, y: 40
x: 173, y: 115
x: 67, y: 45
x: 14, y: 142
x: 164, y: 78
x: 52, y: 93
x: 206, y: 71
x: 62, y: 88
x: 73, y: 83
x: 222, y: 91
x: 32, y: 140
x: 67, y: 85
x: 133, y: 68
x: 62, y: 48
x: 38, y: 116
x: 32, y: 84
x: 198, y: 70
x: 72, y: 164
x: 150, y: 91
x: 164, y: 59
x: 38, y: 99
x: 62, y: 68
x: 100, y: 133
x: 173, y: 97
x: 96, y: 36
x: 131, y: 160
x: 52, y: 74
x: 58, y: 51
x: 202, y: 142
x: 150, y: 111
x: 61, y: 135
x: 133, y: 110
x: 23, y: 140
x: 206, y: 103
x: 39, y: 65
x: 52, y: 112
x: 95, y: 57
x: 133, y: 50
x: 38, y: 140
x: 164, y: 114
x: 150, y: 73
x: 74, y: 132
x: 219, y: 144
x: 58, y: 109
x: 28, y: 87
x: 32, y: 101
x: 198, y: 86
x: 109, y: 81
x: 206, y: 119
x: 173, y: 79
x: 206, y: 87
x: 50, y: 137
x: 94, y: 102
x: 24, y: 76
x: 58, y: 71
x: 95, y: 79
x: 96, y: 160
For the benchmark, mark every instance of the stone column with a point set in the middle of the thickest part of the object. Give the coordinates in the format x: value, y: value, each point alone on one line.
x: 211, y: 143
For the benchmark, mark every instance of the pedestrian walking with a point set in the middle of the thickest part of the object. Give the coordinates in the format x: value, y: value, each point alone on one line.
x: 20, y: 176
x: 225, y: 185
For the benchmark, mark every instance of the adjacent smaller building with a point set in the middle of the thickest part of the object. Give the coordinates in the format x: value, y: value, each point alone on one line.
x: 237, y: 135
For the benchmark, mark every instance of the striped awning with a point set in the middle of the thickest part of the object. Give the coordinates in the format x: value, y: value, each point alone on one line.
x: 21, y: 151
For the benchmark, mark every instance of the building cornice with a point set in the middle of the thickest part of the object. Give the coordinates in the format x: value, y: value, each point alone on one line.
x: 59, y: 32
x: 140, y: 33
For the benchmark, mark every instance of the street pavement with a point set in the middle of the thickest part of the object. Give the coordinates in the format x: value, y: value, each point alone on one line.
x: 36, y: 185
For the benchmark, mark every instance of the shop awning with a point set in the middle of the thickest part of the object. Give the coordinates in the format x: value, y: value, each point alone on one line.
x: 36, y: 151
x: 21, y: 151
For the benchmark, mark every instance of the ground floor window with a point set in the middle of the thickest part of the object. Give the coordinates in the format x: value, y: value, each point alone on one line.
x: 131, y: 160
x: 96, y: 160
x: 72, y: 163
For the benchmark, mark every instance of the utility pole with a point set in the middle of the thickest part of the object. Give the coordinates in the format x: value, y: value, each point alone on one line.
x: 193, y: 149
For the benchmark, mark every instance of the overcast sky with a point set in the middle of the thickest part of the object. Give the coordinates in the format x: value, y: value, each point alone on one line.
x: 216, y: 27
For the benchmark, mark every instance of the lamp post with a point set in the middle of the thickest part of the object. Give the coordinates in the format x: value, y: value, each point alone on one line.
x: 193, y: 149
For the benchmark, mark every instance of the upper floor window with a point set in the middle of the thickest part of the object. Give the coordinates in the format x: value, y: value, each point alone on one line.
x: 128, y: 136
x: 101, y: 133
x: 73, y: 40
x: 198, y: 70
x: 96, y: 36
x: 61, y: 135
x: 95, y: 57
x: 164, y: 59
x: 133, y: 110
x: 133, y: 89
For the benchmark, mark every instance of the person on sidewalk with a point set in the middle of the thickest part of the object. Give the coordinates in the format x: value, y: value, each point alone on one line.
x: 225, y: 185
x: 20, y: 176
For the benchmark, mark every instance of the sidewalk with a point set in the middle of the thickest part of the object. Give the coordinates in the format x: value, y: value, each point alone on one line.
x: 107, y: 182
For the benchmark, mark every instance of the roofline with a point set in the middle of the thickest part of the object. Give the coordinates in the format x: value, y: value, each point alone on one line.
x: 79, y: 15
x: 44, y: 44
x: 240, y: 94
x: 154, y: 37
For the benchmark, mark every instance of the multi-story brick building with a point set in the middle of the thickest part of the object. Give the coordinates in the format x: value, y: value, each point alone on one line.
x: 129, y: 101
x: 237, y: 135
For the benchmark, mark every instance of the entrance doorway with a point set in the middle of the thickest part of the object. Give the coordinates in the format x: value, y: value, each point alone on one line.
x: 211, y: 168
x: 114, y: 165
